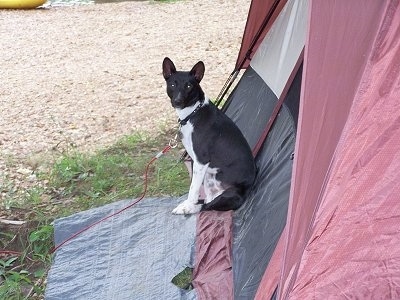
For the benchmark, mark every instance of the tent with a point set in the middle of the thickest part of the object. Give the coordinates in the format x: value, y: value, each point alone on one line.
x: 319, y: 102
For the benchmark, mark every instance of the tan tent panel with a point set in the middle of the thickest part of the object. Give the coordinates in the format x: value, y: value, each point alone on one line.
x: 262, y: 15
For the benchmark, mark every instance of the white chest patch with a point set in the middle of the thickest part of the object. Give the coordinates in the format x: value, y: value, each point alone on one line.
x: 187, y: 131
x: 202, y: 174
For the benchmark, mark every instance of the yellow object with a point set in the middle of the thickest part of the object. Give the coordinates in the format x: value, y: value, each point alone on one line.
x: 21, y: 4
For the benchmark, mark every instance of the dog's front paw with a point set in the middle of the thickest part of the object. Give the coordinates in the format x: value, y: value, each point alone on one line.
x: 187, y: 208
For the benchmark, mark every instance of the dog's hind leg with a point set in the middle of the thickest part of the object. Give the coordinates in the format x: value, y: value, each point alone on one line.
x: 212, y: 187
x: 230, y: 199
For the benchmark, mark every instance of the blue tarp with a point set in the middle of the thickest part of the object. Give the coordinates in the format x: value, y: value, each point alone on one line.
x: 133, y: 255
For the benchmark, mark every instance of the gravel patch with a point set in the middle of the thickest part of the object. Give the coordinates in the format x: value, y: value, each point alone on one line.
x: 83, y: 76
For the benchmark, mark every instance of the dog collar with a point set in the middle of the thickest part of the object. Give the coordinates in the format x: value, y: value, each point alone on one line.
x: 185, y: 120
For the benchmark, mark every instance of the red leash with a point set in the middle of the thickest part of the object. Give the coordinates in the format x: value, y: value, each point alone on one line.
x: 166, y: 149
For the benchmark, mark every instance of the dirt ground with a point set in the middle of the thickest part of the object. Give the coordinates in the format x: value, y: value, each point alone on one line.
x: 83, y: 76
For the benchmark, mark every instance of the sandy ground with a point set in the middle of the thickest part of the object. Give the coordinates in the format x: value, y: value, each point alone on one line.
x: 83, y: 76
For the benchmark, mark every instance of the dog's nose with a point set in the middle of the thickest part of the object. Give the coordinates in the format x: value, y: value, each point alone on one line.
x: 177, y: 103
x: 178, y: 100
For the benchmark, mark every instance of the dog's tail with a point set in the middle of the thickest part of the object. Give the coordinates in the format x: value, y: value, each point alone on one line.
x: 231, y: 199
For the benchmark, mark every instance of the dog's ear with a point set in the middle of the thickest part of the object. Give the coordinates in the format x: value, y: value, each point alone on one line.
x: 198, y: 71
x: 168, y: 68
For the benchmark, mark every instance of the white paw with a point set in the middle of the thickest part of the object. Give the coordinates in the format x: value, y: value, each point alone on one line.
x: 187, y: 208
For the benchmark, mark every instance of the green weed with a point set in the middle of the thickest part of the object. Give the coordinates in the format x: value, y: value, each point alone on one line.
x: 22, y: 273
x: 183, y: 280
x: 13, y: 281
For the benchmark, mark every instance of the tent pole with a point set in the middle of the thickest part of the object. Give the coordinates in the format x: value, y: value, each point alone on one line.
x: 226, y: 88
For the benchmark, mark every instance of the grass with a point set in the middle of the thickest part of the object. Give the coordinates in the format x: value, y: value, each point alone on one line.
x: 117, y: 172
x: 23, y: 272
x: 73, y: 182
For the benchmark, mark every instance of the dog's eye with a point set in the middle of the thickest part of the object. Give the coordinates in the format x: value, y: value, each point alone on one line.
x: 188, y: 86
x: 172, y: 85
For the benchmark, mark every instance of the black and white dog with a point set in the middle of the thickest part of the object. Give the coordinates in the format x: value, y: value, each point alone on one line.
x: 222, y: 159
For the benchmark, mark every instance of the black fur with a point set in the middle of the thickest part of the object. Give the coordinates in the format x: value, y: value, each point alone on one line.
x: 183, y: 88
x: 216, y: 139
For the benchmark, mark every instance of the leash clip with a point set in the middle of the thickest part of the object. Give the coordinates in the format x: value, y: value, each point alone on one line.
x: 173, y: 143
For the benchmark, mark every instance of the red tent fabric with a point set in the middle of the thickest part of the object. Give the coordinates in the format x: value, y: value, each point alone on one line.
x: 213, y: 266
x: 342, y: 234
x: 355, y: 230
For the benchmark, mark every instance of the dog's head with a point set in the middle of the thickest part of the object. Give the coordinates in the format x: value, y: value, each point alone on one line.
x: 183, y: 88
